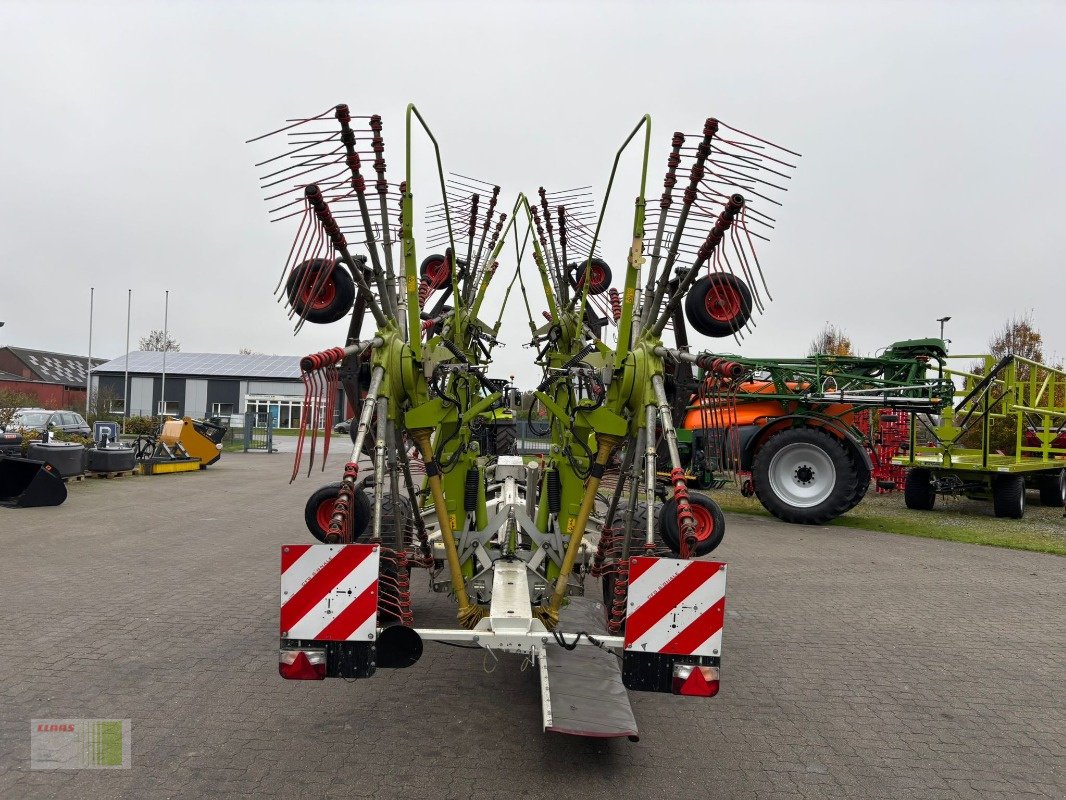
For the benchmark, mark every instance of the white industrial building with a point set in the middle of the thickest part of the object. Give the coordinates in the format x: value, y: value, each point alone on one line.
x: 204, y: 385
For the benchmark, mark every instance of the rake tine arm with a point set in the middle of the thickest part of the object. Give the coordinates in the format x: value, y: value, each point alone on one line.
x: 359, y: 186
x: 651, y: 308
x: 665, y: 202
x: 714, y: 239
x: 329, y: 225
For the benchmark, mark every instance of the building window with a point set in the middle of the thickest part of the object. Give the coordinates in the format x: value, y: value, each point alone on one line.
x: 116, y: 406
x: 222, y: 409
x: 286, y: 412
x: 170, y: 408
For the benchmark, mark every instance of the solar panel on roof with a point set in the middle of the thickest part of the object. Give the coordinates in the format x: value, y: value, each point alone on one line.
x: 208, y: 365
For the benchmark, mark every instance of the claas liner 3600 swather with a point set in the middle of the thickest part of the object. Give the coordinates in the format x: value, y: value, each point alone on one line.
x: 513, y: 541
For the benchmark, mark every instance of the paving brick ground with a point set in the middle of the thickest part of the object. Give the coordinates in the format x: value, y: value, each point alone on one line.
x: 857, y: 665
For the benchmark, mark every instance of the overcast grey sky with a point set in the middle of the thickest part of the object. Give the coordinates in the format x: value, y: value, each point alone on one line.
x: 931, y: 180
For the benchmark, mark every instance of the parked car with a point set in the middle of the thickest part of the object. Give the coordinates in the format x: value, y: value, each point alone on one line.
x: 40, y: 419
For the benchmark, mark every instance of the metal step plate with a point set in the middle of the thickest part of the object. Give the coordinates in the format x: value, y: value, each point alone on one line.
x: 581, y: 689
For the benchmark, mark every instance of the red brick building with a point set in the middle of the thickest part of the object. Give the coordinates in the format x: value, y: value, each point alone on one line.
x: 57, y: 380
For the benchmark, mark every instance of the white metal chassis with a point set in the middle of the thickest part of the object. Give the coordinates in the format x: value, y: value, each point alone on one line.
x: 511, y: 628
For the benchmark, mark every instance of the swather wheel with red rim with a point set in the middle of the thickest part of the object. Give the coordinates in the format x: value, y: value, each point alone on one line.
x: 335, y: 294
x: 319, y: 510
x: 601, y: 276
x: 436, y: 270
x: 718, y: 304
x: 710, y: 524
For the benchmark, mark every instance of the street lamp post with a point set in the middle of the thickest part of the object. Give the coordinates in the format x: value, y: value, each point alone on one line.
x: 163, y: 380
x: 942, y: 320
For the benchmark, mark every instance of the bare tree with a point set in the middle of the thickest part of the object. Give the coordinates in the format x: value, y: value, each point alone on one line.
x: 101, y: 403
x: 11, y: 401
x: 831, y: 341
x: 157, y: 341
x: 1018, y: 336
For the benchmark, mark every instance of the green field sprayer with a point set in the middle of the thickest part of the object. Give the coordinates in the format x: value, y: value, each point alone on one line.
x: 1003, y: 434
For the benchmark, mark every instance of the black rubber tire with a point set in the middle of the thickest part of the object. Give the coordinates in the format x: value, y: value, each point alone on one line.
x: 731, y: 316
x: 918, y: 492
x: 387, y: 567
x: 435, y: 268
x: 1008, y: 496
x: 842, y: 492
x: 1053, y: 489
x: 388, y: 523
x: 706, y: 511
x: 319, y: 507
x: 636, y: 543
x: 601, y: 274
x: 704, y: 479
x: 335, y: 298
x: 504, y: 439
x: 862, y: 480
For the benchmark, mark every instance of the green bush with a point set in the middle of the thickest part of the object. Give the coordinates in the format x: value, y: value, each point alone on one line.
x: 141, y: 426
x: 29, y: 435
x: 84, y: 441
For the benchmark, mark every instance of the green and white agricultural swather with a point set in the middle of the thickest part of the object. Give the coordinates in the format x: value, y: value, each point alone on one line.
x: 514, y: 540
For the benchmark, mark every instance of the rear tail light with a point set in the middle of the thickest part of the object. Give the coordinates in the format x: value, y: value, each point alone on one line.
x: 695, y: 681
x: 302, y: 665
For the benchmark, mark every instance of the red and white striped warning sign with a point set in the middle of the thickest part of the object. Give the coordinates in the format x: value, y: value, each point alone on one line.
x: 329, y: 591
x: 675, y: 606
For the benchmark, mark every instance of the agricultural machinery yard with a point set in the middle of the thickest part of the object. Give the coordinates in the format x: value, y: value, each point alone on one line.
x: 860, y: 665
x: 498, y: 462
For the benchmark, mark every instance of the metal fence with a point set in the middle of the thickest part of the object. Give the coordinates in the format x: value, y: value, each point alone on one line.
x: 532, y: 439
x: 258, y: 431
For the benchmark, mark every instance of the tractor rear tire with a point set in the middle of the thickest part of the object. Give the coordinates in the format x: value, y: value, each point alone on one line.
x: 505, y: 439
x: 862, y: 480
x: 718, y: 304
x: 918, y: 491
x: 334, y: 298
x: 1053, y: 489
x: 710, y: 525
x: 805, y: 476
x: 319, y: 510
x: 1008, y: 496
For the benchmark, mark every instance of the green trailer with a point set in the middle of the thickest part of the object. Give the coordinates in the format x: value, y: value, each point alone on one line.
x: 964, y: 451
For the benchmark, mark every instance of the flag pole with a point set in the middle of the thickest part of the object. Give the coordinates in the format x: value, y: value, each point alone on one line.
x: 126, y: 378
x: 163, y: 382
x: 89, y: 365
